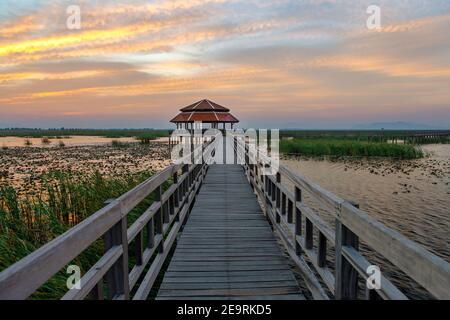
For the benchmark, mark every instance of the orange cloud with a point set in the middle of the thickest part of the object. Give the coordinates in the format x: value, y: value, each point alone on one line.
x: 379, y: 64
x: 23, y: 25
x: 18, y: 76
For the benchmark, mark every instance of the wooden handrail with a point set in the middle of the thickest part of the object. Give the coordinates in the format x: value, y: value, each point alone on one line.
x: 24, y: 277
x: 427, y: 269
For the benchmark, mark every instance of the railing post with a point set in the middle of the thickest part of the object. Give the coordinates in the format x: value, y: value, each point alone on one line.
x: 150, y: 234
x: 346, y: 287
x: 235, y: 148
x: 278, y: 198
x: 159, y: 218
x: 175, y: 198
x: 139, y: 248
x: 322, y: 250
x: 273, y: 191
x: 278, y: 191
x: 186, y: 180
x: 308, y: 234
x: 283, y: 204
x: 97, y: 291
x: 172, y: 204
x: 290, y: 211
x: 117, y: 276
x: 166, y: 210
x: 298, y: 219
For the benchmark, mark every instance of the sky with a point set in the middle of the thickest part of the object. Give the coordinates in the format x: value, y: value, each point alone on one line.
x: 276, y: 64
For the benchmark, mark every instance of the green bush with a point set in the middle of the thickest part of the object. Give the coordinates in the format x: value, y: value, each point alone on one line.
x: 336, y: 147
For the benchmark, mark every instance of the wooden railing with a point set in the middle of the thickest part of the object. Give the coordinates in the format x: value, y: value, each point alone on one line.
x: 294, y: 221
x: 159, y: 225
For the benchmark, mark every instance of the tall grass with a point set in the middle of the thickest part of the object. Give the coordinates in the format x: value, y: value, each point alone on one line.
x: 45, y: 140
x: 120, y: 144
x: 64, y: 199
x: 145, y: 138
x: 336, y: 147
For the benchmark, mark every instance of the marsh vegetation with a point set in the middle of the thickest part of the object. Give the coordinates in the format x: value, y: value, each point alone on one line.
x: 46, y: 191
x: 352, y: 148
x: 64, y: 133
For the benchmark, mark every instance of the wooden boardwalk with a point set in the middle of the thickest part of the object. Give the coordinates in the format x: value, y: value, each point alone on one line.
x: 227, y: 249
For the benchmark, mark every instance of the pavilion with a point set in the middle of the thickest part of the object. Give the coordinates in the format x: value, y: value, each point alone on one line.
x: 206, y: 112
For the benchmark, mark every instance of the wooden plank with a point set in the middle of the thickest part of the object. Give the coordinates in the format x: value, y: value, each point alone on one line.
x: 201, y: 268
x: 226, y: 285
x: 228, y: 292
x: 225, y: 279
x: 227, y: 248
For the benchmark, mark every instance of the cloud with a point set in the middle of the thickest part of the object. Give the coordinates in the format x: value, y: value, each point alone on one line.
x: 304, y: 59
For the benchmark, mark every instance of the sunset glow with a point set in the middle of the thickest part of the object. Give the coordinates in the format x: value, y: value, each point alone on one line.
x: 285, y: 63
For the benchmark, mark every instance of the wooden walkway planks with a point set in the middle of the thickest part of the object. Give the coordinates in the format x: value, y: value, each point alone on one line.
x: 227, y: 249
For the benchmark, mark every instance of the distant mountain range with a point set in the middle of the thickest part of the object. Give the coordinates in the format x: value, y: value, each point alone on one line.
x: 397, y: 125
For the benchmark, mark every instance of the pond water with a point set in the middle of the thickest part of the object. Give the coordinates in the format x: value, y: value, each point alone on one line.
x: 68, y: 141
x: 412, y: 197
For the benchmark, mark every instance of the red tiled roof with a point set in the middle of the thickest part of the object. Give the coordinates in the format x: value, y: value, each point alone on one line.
x: 205, y: 105
x: 205, y: 117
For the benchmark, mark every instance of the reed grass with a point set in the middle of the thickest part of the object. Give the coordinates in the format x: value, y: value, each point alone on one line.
x: 63, y: 200
x: 120, y: 144
x: 345, y: 148
x: 145, y: 138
